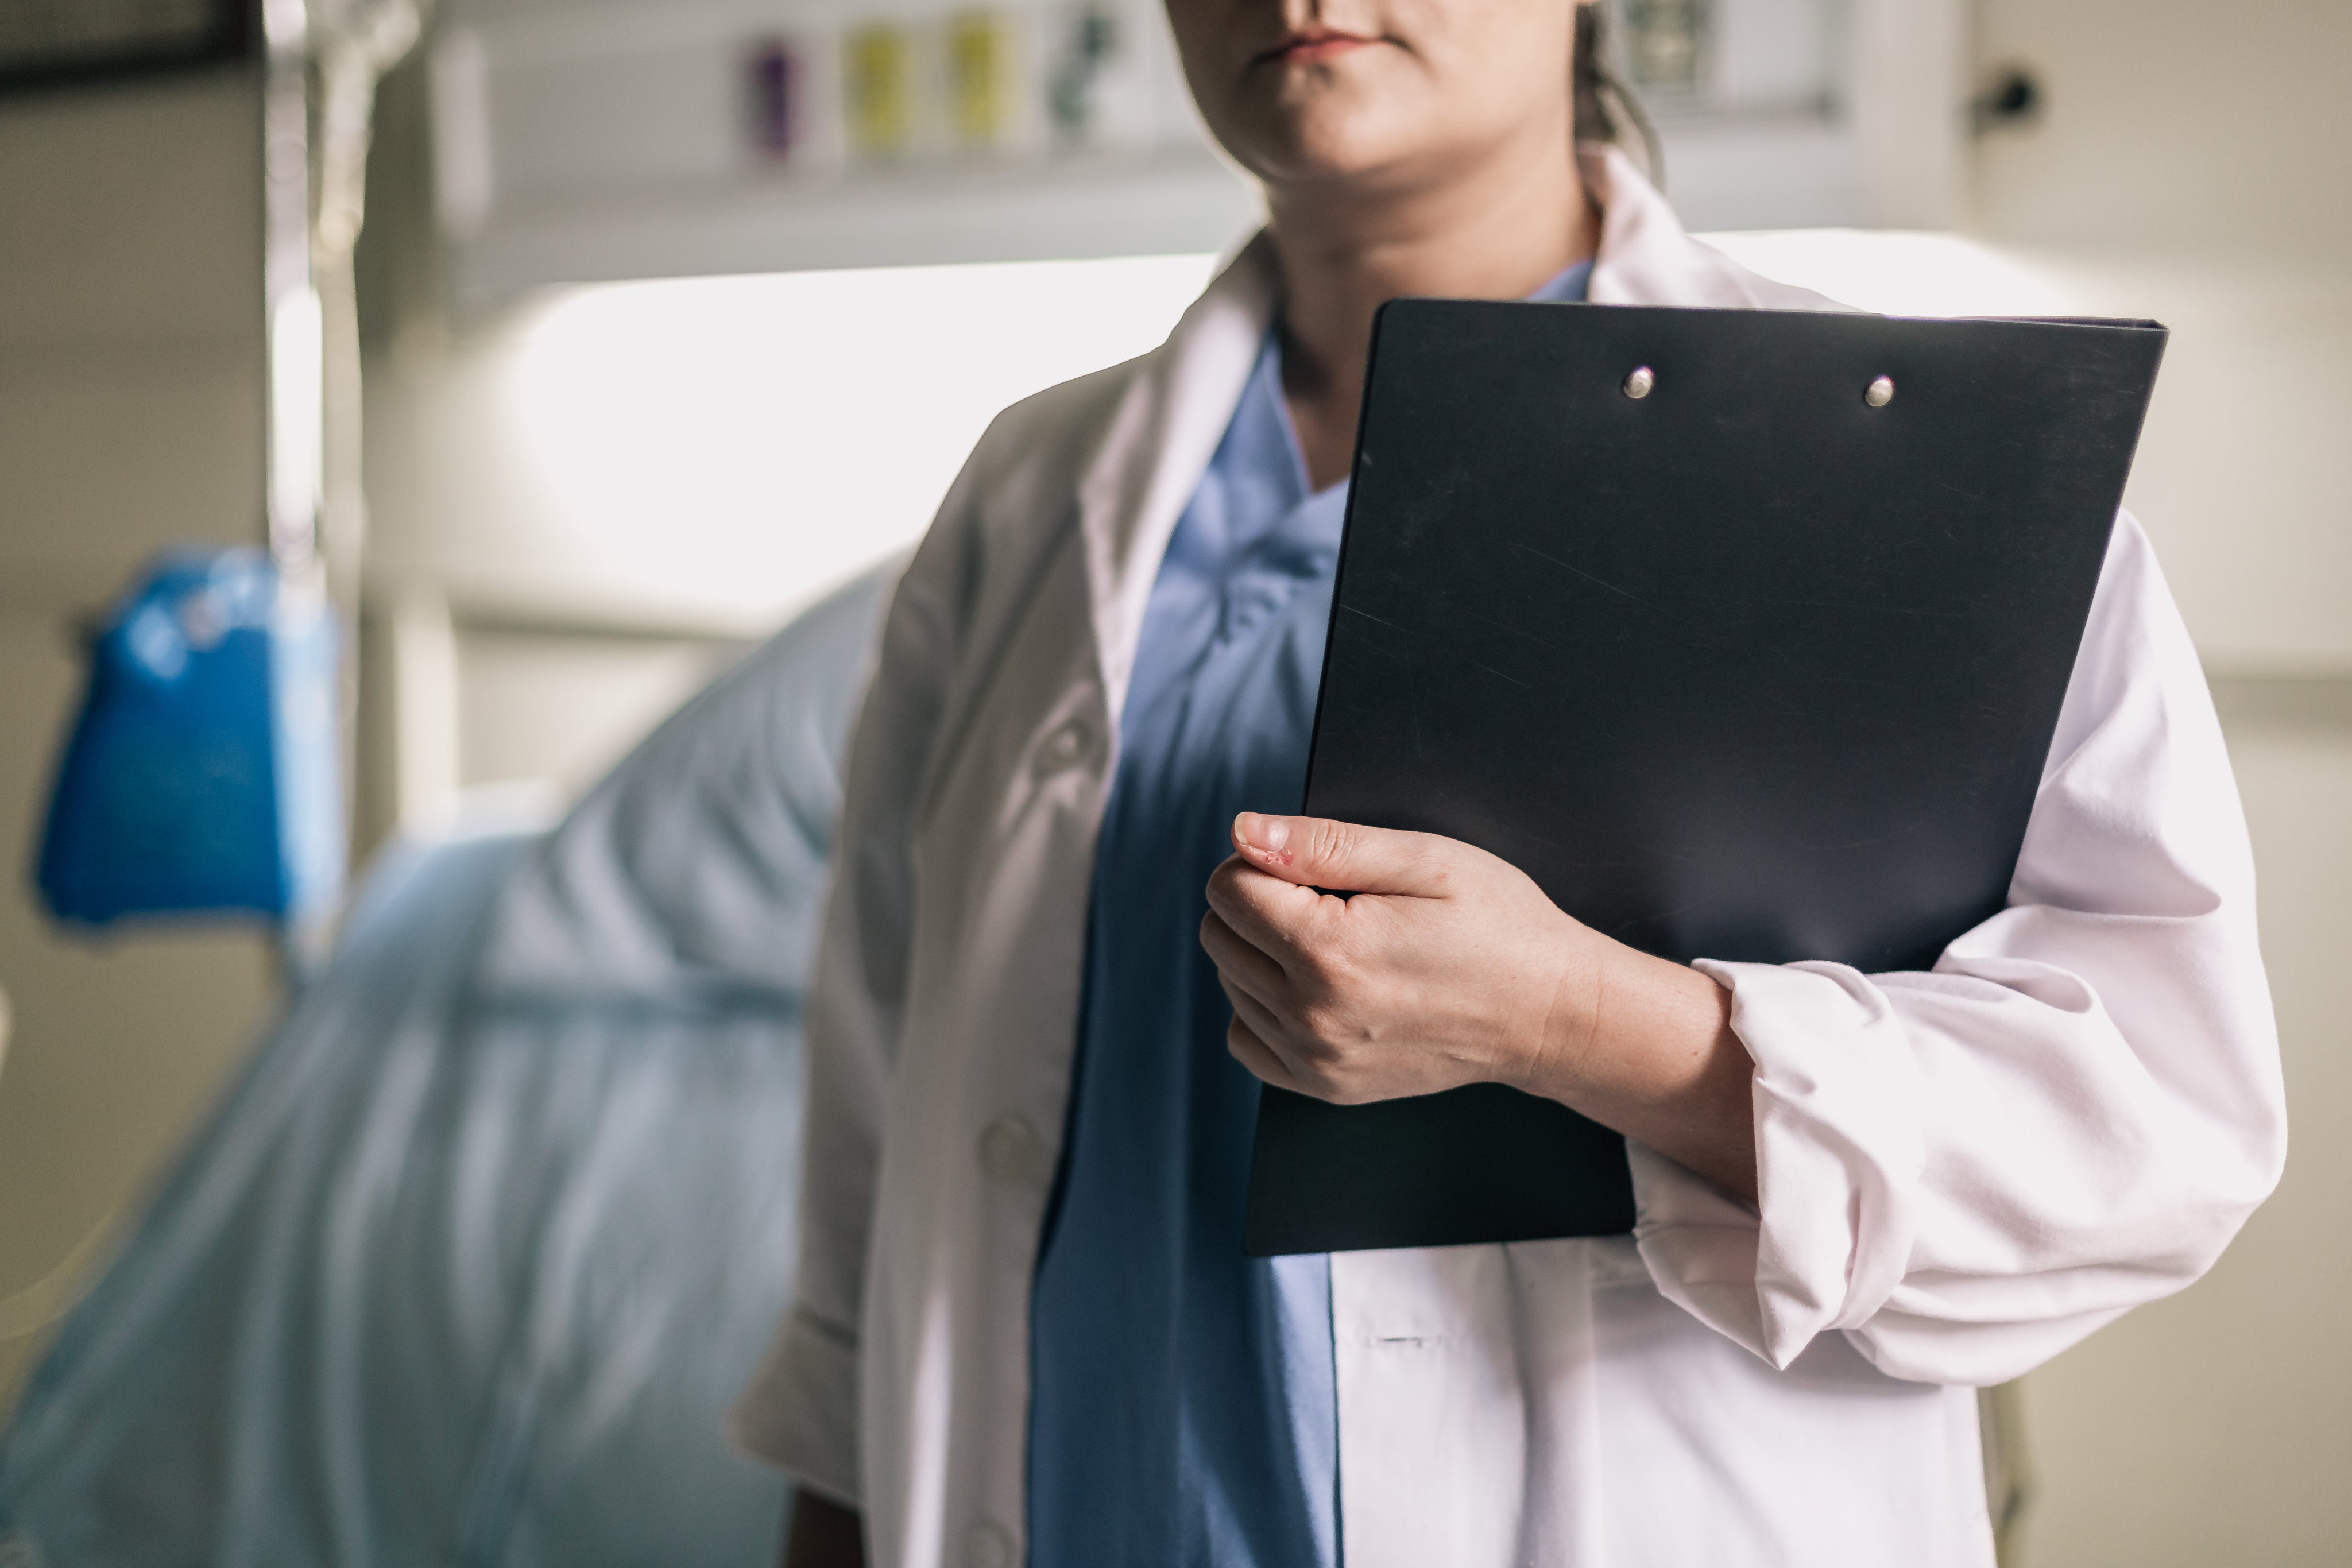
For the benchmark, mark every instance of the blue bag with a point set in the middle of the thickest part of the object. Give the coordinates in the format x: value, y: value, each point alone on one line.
x: 203, y: 775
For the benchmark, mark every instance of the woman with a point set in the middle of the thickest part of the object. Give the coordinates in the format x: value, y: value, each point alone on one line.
x: 1024, y: 1329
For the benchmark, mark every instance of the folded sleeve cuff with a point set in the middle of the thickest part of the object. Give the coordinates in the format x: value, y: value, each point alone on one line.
x: 1838, y: 1159
x: 800, y: 1412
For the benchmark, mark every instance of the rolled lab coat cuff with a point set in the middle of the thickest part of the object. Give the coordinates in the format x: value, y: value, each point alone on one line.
x: 1839, y: 1153
x: 800, y: 1413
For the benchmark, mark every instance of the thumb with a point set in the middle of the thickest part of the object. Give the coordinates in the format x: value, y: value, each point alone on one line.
x: 1345, y: 857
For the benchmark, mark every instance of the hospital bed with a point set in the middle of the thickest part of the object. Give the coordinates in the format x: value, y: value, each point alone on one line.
x: 467, y: 1265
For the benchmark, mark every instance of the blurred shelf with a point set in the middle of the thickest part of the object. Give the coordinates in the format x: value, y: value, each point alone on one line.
x: 1142, y: 203
x: 1794, y: 170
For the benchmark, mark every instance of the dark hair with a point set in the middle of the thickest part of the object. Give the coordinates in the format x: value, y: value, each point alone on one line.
x: 1605, y: 107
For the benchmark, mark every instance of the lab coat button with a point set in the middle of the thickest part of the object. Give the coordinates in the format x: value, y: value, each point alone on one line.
x: 1008, y: 1148
x: 1066, y: 746
x: 988, y: 1546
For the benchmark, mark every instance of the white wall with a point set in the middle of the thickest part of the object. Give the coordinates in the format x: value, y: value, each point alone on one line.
x: 2221, y: 130
x: 129, y: 417
x: 2195, y: 163
x: 716, y: 450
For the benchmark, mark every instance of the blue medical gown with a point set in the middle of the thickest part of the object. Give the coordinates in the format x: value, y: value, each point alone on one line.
x: 468, y: 1264
x: 1185, y: 1410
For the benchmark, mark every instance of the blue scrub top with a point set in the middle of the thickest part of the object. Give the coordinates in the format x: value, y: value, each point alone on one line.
x: 1184, y: 1407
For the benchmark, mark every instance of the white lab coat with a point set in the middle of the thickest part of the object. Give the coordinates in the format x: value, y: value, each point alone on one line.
x: 1961, y: 1172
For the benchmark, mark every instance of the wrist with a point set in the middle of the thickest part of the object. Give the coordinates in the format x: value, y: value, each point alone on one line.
x: 1557, y: 1053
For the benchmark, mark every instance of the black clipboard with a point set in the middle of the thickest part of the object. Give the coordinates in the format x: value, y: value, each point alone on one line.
x: 1754, y: 666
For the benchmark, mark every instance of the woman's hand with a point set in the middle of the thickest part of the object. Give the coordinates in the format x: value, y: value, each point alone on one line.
x: 1450, y: 966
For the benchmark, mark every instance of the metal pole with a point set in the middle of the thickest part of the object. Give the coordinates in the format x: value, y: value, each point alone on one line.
x: 294, y: 372
x: 322, y: 60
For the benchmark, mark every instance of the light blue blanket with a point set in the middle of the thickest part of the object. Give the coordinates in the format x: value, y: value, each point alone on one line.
x: 467, y: 1265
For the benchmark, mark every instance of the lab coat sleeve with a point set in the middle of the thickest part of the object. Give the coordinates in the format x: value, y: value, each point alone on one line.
x: 1966, y: 1171
x: 801, y: 1411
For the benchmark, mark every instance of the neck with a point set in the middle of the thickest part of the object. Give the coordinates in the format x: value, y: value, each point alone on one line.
x: 1344, y: 247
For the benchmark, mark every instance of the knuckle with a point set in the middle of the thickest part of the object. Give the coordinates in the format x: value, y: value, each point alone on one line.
x: 1313, y: 1056
x: 1316, y: 1021
x: 1324, y: 961
x: 1330, y: 975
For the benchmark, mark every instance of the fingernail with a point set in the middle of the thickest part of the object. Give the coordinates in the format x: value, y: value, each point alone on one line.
x: 1268, y: 835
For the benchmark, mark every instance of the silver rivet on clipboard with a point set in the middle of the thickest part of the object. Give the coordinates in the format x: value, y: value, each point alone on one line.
x: 1881, y: 393
x: 1638, y: 384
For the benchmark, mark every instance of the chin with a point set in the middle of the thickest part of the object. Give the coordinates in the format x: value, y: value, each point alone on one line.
x: 1327, y: 140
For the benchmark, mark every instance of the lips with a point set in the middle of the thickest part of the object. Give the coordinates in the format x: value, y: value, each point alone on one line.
x: 1308, y: 47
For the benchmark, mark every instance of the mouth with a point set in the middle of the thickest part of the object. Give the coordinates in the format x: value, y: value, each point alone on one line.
x: 1312, y: 46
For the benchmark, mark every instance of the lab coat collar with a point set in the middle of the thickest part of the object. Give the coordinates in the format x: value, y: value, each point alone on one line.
x: 1175, y: 409
x: 1645, y: 256
x: 1162, y: 435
